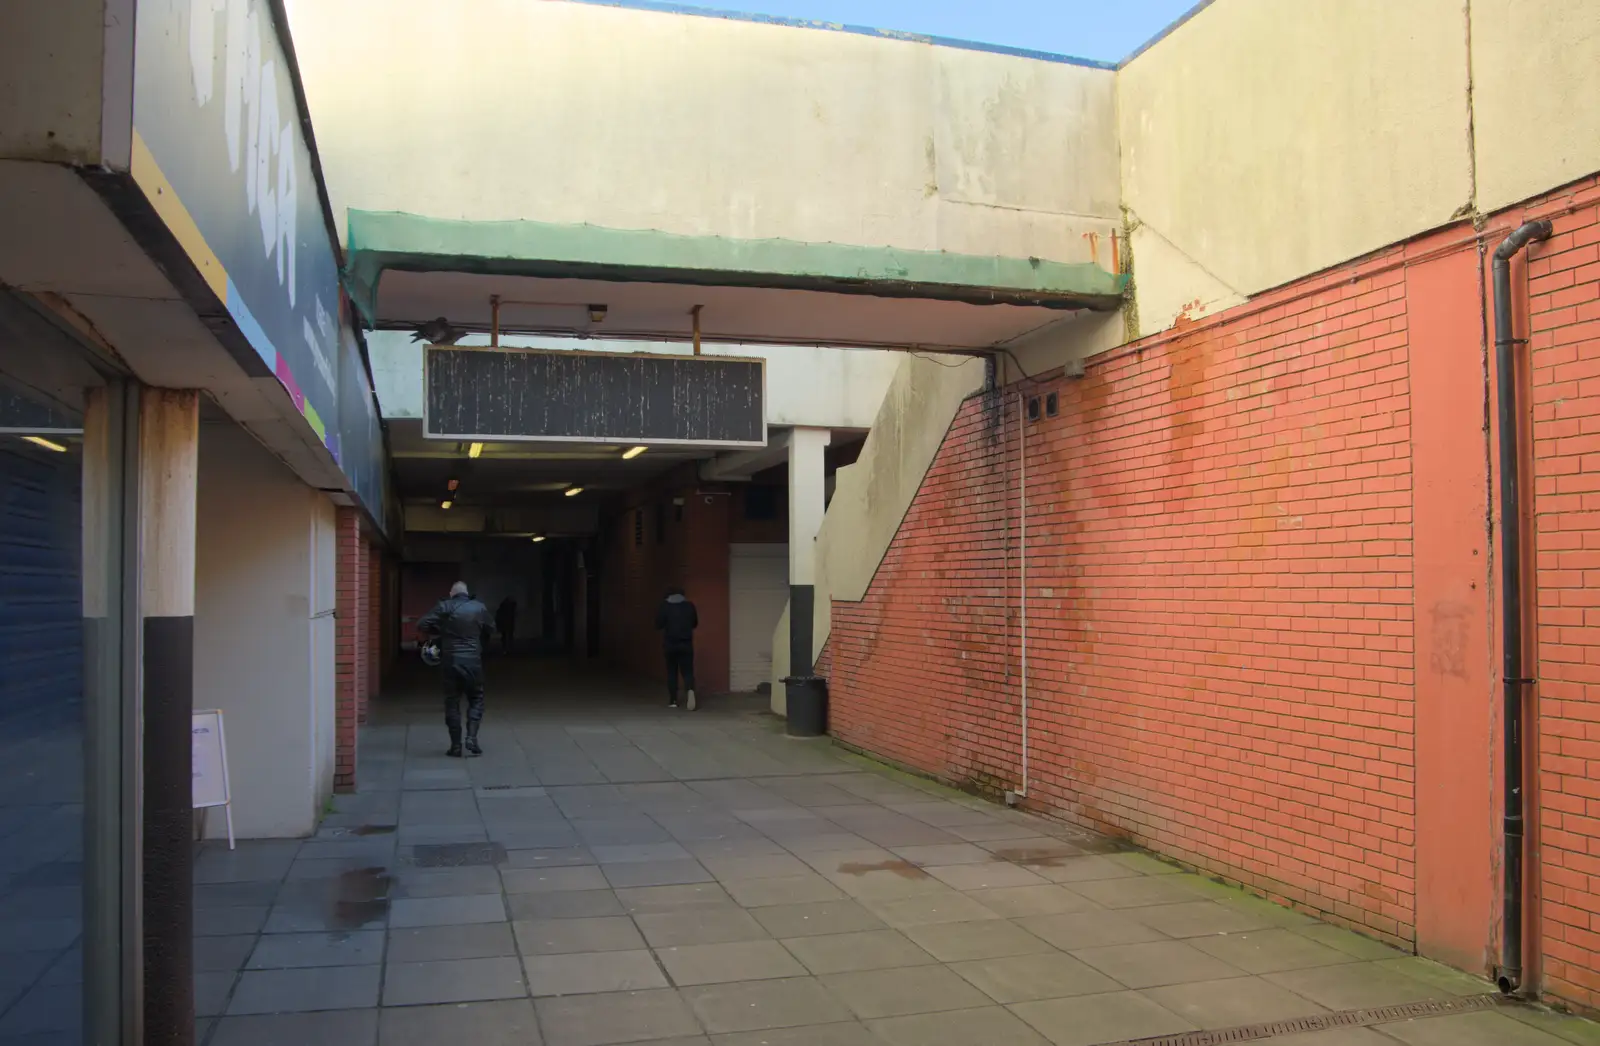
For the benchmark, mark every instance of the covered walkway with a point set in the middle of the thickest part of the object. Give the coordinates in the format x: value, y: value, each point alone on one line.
x: 613, y: 872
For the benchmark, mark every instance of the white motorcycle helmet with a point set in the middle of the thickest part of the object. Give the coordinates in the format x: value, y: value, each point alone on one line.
x: 430, y: 653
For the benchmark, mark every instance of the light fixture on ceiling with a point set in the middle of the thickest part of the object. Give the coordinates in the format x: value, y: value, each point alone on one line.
x: 474, y: 450
x: 597, y: 313
x: 446, y: 503
x: 538, y: 538
x: 453, y: 484
x: 629, y: 455
x: 573, y: 492
x: 40, y: 441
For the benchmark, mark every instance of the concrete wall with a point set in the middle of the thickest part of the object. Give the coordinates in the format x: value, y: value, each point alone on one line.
x: 579, y: 113
x: 264, y: 578
x: 51, y: 76
x: 1536, y: 112
x: 817, y: 387
x: 1257, y: 149
x: 870, y: 497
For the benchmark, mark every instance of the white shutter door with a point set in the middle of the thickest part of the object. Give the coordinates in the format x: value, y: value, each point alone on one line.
x: 758, y: 590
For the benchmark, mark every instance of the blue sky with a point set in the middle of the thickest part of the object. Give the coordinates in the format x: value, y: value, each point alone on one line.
x: 1108, y: 30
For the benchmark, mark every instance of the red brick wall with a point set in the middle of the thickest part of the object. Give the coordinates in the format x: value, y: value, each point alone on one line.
x: 1232, y: 639
x: 635, y: 574
x: 1563, y: 287
x: 374, y: 634
x: 349, y: 669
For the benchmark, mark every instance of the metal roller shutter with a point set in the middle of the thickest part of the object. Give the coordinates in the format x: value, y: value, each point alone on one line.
x: 41, y: 623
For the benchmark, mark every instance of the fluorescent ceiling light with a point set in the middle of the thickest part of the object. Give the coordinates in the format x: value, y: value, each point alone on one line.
x: 629, y: 455
x: 474, y: 450
x: 573, y: 492
x: 538, y: 538
x: 40, y: 441
x: 446, y: 503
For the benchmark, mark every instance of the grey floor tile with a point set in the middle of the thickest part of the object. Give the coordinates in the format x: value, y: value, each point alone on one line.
x: 895, y: 993
x: 229, y: 922
x: 1470, y: 1029
x: 791, y: 889
x: 302, y: 991
x: 1451, y: 981
x: 1352, y: 944
x: 1112, y: 1017
x: 503, y: 1023
x: 1029, y: 978
x: 222, y: 954
x: 701, y: 926
x: 1089, y: 929
x: 445, y: 882
x: 984, y: 939
x: 329, y: 1028
x: 752, y: 1005
x: 864, y: 950
x: 235, y: 895
x: 641, y: 853
x: 452, y: 980
x: 1020, y: 901
x: 620, y: 1017
x: 850, y: 1033
x: 817, y: 918
x: 649, y: 899
x: 440, y: 943
x: 211, y: 992
x: 1270, y: 951
x: 553, y: 880
x: 566, y: 936
x: 550, y: 857
x: 1139, y: 891
x: 989, y: 1026
x: 944, y: 855
x: 591, y: 973
x: 565, y: 904
x: 655, y: 873
x: 732, y: 961
x: 1232, y: 1002
x: 759, y: 866
x: 947, y: 906
x: 1155, y: 963
x: 447, y: 911
x: 286, y: 950
x: 1092, y: 868
x: 1355, y: 986
x: 1198, y: 919
x: 991, y: 876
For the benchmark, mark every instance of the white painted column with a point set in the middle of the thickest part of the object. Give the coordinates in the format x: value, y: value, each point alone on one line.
x: 807, y: 502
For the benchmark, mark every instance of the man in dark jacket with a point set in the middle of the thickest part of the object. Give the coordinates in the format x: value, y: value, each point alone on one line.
x: 505, y: 619
x: 462, y: 625
x: 677, y: 621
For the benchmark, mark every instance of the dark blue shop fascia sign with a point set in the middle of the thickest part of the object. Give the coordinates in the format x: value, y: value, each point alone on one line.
x: 220, y: 154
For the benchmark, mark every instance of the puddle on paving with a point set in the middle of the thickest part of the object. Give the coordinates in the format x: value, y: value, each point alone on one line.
x: 904, y: 869
x: 373, y: 829
x: 362, y: 897
x: 1033, y: 856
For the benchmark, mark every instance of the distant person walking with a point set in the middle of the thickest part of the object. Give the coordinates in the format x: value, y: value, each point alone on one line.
x: 677, y: 620
x: 505, y: 619
x: 462, y: 625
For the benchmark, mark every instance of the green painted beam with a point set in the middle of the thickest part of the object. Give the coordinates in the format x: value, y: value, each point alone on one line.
x: 382, y: 240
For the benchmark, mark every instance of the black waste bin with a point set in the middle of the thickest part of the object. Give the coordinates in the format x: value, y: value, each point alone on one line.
x: 807, y: 704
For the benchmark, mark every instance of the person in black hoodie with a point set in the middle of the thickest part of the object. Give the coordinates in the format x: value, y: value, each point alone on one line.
x: 677, y: 621
x: 462, y: 625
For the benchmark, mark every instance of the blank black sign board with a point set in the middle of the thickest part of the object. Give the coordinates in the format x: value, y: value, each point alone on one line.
x: 487, y: 395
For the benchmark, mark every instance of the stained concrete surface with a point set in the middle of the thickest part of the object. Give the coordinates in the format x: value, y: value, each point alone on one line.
x: 611, y: 871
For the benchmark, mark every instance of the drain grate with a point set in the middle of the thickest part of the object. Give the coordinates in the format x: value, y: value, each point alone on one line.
x: 1322, y: 1022
x: 457, y: 855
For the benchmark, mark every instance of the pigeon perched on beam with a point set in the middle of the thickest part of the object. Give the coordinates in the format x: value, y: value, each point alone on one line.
x: 438, y: 332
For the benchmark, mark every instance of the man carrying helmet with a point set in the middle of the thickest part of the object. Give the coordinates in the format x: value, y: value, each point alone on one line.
x: 461, y: 624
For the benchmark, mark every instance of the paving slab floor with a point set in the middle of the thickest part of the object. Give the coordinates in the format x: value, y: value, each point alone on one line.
x: 611, y: 871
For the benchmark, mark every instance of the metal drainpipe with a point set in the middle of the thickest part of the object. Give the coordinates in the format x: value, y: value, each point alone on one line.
x: 1022, y: 579
x: 1509, y: 976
